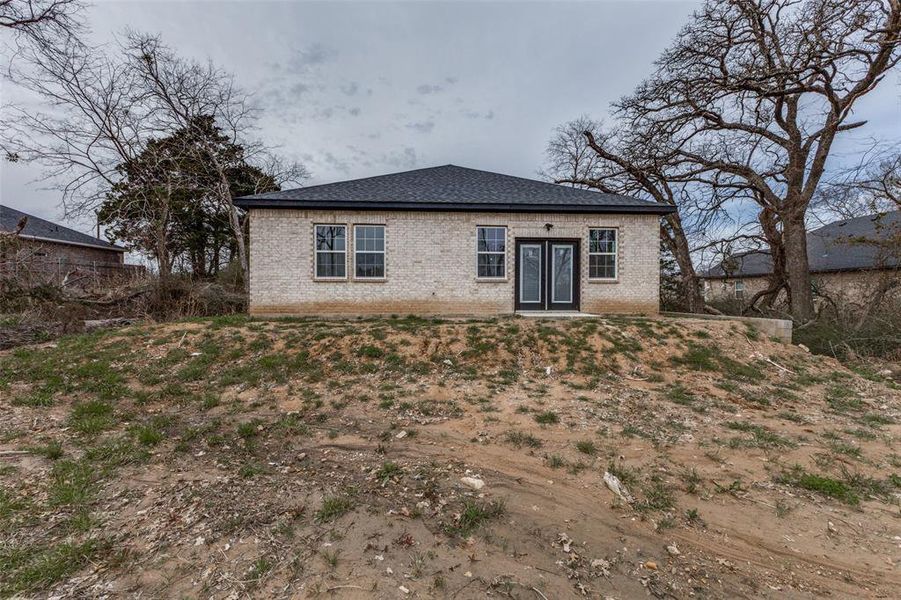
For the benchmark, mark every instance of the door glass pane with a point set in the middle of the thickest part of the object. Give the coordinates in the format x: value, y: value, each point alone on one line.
x: 530, y: 273
x: 562, y: 274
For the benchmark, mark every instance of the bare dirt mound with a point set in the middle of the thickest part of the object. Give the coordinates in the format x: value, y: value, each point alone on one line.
x: 396, y: 458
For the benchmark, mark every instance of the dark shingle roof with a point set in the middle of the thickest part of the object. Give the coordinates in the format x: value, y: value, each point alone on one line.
x: 451, y: 188
x: 838, y: 246
x: 47, y: 230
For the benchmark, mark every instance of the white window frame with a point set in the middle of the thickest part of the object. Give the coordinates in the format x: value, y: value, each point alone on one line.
x: 614, y: 254
x: 317, y: 252
x: 480, y: 252
x: 383, y: 252
x: 738, y: 289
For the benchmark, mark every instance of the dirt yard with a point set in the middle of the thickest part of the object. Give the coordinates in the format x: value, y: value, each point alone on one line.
x: 409, y: 458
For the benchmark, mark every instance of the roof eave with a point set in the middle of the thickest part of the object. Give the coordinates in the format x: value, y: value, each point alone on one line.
x: 37, y: 238
x: 250, y: 203
x: 812, y: 272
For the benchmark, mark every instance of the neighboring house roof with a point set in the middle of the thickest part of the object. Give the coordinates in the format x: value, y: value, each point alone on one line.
x: 838, y: 246
x: 451, y: 188
x: 41, y: 229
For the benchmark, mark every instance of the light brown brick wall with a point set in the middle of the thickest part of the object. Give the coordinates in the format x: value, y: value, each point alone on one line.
x: 431, y: 263
x: 852, y: 287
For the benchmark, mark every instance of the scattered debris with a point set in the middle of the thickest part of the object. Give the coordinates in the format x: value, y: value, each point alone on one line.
x: 617, y: 487
x: 473, y: 482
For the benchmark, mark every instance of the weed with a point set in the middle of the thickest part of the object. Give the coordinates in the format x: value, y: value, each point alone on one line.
x: 658, y: 496
x: 333, y: 507
x: 625, y: 474
x: 70, y: 483
x: 520, y: 439
x: 370, y: 352
x: 92, y: 417
x: 331, y: 558
x: 249, y: 470
x: 587, y: 447
x: 678, y: 394
x: 791, y: 416
x: 783, y: 508
x: 259, y: 568
x: 555, y: 461
x: 692, y: 480
x: 842, y: 399
x: 474, y: 515
x: 698, y: 358
x: 149, y: 434
x: 33, y: 568
x: 248, y: 429
x: 693, y: 516
x: 51, y: 449
x: 388, y: 471
x: 761, y: 437
x: 547, y: 417
x: 826, y: 486
x: 875, y: 420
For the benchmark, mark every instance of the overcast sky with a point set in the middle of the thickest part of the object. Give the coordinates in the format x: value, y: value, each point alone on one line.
x: 357, y: 89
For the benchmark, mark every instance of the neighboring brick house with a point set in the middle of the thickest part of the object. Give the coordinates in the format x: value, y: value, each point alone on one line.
x: 46, y: 251
x: 849, y: 260
x: 451, y: 241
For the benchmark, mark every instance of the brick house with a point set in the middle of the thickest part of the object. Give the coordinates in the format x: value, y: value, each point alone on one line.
x: 849, y: 260
x: 451, y: 241
x: 45, y: 251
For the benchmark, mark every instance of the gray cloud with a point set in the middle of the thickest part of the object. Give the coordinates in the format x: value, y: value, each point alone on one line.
x: 350, y: 89
x: 310, y: 57
x: 474, y: 114
x: 428, y: 88
x: 421, y: 126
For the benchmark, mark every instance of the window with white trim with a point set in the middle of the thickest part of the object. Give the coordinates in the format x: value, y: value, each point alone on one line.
x: 739, y: 289
x: 331, y: 251
x: 602, y: 253
x: 369, y: 251
x: 491, y: 252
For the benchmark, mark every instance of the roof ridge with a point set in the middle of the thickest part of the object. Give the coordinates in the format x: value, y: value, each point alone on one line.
x: 371, y: 177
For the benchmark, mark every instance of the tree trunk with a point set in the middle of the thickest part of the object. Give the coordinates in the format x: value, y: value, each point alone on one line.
x: 237, y: 227
x: 776, y: 281
x: 678, y: 244
x: 794, y: 237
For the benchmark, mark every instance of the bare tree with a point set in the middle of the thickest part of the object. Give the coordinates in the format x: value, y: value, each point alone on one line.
x: 95, y: 117
x: 568, y: 157
x: 41, y: 19
x: 752, y: 95
x: 186, y: 90
x: 103, y: 112
x: 582, y: 153
x: 871, y: 186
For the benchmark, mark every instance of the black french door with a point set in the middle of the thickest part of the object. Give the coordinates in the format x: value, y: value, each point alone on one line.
x: 547, y: 274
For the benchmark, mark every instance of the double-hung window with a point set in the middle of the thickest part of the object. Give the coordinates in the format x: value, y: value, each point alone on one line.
x: 369, y: 251
x: 491, y: 252
x: 739, y: 289
x: 331, y: 251
x: 602, y: 253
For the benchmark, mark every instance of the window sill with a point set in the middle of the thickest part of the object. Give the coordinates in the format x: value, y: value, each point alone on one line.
x: 616, y: 280
x: 329, y: 279
x: 492, y: 279
x: 370, y: 279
